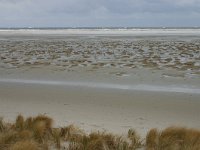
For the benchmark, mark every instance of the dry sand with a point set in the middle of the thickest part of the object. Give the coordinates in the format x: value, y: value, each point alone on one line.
x: 100, y: 105
x: 95, y: 97
x: 99, y: 109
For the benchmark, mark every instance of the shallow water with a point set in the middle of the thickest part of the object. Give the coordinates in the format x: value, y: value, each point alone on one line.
x: 136, y: 87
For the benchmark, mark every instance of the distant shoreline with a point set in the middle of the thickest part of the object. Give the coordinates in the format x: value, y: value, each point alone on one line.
x: 130, y: 32
x: 54, y: 28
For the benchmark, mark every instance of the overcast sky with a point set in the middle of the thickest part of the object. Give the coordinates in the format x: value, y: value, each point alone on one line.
x: 91, y: 13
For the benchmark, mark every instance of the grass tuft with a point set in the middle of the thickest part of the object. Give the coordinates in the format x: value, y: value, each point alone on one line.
x: 152, y: 139
x: 37, y: 133
x: 7, y: 139
x: 19, y: 124
x: 28, y: 123
x: 56, y: 134
x: 47, y: 120
x: 25, y: 145
x: 2, y: 125
x: 135, y: 139
x: 25, y: 134
x: 173, y: 138
x: 71, y: 133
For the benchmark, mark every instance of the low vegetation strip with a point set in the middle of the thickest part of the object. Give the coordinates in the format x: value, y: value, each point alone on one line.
x: 38, y: 133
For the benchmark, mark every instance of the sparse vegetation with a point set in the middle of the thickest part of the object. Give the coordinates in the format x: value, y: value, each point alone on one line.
x: 25, y: 145
x: 173, y: 138
x: 152, y: 139
x: 37, y: 133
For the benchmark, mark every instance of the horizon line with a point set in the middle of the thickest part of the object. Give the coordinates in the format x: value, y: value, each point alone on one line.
x: 99, y: 27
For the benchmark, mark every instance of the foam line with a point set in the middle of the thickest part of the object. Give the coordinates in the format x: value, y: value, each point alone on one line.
x: 135, y: 87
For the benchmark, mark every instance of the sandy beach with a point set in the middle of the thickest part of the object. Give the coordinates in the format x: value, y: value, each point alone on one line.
x: 102, y: 82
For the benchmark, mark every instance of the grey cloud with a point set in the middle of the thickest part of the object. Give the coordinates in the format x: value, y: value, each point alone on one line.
x: 99, y: 12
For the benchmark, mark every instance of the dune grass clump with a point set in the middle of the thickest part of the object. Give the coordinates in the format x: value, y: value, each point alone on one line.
x: 37, y: 133
x: 31, y: 130
x: 2, y: 125
x: 19, y: 123
x: 56, y: 135
x: 25, y: 134
x: 25, y: 145
x: 76, y: 137
x: 152, y: 139
x: 7, y: 138
x: 71, y: 133
x: 98, y: 140
x: 94, y: 141
x: 135, y: 139
x: 105, y: 141
x: 45, y: 119
x: 28, y: 124
x: 173, y: 138
x: 41, y: 127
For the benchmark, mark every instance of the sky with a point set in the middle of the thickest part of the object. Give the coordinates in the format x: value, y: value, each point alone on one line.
x: 99, y: 13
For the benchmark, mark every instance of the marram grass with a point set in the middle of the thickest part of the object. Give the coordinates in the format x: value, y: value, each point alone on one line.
x: 38, y: 133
